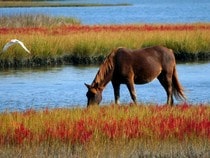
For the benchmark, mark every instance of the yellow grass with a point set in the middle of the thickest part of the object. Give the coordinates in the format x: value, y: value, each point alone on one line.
x: 104, y: 42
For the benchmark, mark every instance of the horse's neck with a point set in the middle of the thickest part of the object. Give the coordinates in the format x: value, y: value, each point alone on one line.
x: 105, y: 72
x: 103, y: 78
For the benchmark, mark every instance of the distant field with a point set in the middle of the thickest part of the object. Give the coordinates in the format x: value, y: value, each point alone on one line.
x: 38, y: 20
x: 62, y: 41
x: 107, y: 131
x: 41, y: 3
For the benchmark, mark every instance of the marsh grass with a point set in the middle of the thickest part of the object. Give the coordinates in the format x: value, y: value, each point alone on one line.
x: 62, y: 132
x: 81, y: 44
x: 37, y: 20
x: 123, y: 149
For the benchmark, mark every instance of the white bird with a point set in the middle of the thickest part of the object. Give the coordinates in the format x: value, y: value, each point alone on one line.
x: 12, y: 42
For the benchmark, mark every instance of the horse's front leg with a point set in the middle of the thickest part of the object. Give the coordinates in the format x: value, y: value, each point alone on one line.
x: 116, y: 87
x: 132, y: 91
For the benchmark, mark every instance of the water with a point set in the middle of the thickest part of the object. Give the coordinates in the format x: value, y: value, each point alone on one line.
x: 64, y: 87
x: 140, y: 11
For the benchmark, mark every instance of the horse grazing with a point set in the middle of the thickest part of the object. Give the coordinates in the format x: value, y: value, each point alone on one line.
x: 140, y: 66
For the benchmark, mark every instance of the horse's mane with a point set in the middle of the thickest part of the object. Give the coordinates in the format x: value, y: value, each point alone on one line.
x: 105, y: 68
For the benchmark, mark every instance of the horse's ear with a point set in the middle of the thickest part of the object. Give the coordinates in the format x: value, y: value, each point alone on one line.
x: 87, y: 85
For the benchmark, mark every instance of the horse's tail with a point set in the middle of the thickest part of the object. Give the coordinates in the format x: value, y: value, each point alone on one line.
x: 178, y: 90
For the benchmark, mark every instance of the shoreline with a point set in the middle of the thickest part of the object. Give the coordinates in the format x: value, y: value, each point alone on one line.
x: 22, y: 4
x: 87, y: 60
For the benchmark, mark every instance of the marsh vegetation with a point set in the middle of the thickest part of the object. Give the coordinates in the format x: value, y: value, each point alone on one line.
x: 66, y: 41
x: 107, y: 131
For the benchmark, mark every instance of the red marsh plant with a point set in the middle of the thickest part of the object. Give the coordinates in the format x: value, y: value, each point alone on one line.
x: 106, y: 123
x: 107, y: 28
x: 107, y: 131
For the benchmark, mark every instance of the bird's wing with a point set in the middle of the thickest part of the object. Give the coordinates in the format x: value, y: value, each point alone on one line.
x: 12, y: 42
x: 7, y: 45
x: 23, y: 46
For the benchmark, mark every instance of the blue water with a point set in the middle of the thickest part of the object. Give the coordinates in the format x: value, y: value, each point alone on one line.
x: 64, y: 87
x: 140, y: 11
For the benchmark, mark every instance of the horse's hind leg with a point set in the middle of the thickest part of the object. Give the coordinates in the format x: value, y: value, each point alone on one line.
x: 166, y: 81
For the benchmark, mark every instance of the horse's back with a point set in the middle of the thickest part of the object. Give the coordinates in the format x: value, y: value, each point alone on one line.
x: 155, y: 51
x: 146, y: 64
x: 156, y: 56
x: 153, y: 54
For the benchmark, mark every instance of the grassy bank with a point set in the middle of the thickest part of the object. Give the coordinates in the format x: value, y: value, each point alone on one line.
x: 107, y: 131
x: 28, y: 3
x: 82, y: 44
x: 38, y: 20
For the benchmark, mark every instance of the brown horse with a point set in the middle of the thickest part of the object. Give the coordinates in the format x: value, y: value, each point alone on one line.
x: 125, y: 66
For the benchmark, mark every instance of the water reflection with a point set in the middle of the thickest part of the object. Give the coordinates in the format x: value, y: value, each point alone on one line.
x: 64, y: 87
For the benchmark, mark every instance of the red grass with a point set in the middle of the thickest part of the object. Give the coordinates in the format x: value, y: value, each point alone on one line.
x: 100, y: 28
x: 159, y: 123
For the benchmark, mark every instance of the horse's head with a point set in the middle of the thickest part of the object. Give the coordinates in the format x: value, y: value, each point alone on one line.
x: 94, y: 95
